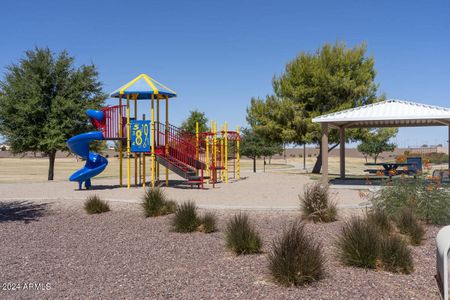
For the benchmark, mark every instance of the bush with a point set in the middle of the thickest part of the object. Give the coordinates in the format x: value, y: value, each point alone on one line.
x: 185, y: 219
x: 95, y: 205
x: 207, y: 223
x: 395, y: 255
x: 295, y: 257
x: 424, y: 198
x: 155, y: 203
x: 241, y: 237
x: 379, y: 218
x: 408, y: 224
x: 434, y: 157
x: 359, y: 243
x: 316, y: 203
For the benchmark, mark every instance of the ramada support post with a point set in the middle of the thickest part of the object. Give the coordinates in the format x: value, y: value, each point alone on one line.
x: 342, y: 151
x: 324, y: 152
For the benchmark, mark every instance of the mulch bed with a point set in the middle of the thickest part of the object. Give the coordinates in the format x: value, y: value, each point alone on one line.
x: 120, y: 254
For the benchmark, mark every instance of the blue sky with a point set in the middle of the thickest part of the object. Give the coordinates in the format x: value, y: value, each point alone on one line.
x: 218, y: 54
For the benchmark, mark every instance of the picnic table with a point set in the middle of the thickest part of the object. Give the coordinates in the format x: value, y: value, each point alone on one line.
x: 390, y: 169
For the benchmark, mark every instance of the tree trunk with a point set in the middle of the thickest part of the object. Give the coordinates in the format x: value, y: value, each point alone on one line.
x: 51, y: 165
x: 264, y: 164
x: 318, y: 164
x: 375, y: 158
x: 254, y: 164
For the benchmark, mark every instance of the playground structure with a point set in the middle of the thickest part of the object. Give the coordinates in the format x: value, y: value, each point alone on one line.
x: 211, y: 156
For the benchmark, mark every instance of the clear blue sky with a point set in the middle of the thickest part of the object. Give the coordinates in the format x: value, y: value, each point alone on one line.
x: 218, y: 54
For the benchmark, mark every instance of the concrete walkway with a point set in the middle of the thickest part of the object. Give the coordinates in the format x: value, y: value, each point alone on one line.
x: 260, y: 191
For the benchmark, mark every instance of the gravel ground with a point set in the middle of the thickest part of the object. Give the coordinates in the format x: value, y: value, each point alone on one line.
x: 120, y: 254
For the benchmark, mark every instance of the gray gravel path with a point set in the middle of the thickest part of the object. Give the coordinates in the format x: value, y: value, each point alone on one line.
x: 120, y: 254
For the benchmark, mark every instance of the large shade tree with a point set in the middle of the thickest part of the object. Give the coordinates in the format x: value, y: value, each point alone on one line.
x: 331, y: 79
x: 43, y: 99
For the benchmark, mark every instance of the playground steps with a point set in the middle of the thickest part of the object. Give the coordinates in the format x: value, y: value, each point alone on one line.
x: 177, y: 167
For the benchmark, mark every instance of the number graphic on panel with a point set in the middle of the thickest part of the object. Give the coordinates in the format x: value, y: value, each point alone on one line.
x: 145, y: 128
x: 138, y: 137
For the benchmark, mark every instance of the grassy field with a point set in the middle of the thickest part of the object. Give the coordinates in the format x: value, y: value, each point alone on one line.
x: 35, y: 169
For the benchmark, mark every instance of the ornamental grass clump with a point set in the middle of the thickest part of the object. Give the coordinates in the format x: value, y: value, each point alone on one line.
x: 155, y: 203
x: 395, y: 256
x: 379, y: 218
x: 408, y: 224
x: 241, y: 237
x: 207, y: 223
x: 316, y: 203
x: 95, y: 205
x: 185, y: 219
x: 296, y: 258
x: 358, y: 244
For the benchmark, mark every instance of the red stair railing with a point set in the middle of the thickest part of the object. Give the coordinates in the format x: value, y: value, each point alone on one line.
x: 181, y: 145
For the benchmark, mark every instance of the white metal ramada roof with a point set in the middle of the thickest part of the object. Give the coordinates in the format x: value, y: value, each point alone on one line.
x: 389, y: 113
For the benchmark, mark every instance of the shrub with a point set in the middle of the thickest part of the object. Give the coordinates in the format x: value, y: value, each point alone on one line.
x: 395, y: 255
x: 185, y: 219
x: 295, y: 257
x: 95, y: 205
x: 316, y: 203
x: 155, y: 203
x: 207, y: 223
x: 379, y: 218
x: 426, y: 199
x: 241, y: 237
x: 408, y: 224
x: 358, y: 244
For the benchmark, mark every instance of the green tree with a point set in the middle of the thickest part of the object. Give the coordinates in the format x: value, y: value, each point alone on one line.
x: 254, y: 146
x: 376, y: 141
x: 195, y: 116
x: 331, y: 79
x: 43, y: 99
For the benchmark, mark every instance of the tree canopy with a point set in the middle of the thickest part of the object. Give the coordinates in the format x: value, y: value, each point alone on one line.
x: 331, y: 79
x: 376, y: 141
x: 195, y: 116
x: 254, y: 146
x: 43, y: 99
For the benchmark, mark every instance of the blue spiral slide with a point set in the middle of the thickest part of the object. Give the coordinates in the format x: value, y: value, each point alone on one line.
x: 79, y: 144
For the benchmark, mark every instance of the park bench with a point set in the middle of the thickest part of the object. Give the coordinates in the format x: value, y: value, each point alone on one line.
x: 442, y: 253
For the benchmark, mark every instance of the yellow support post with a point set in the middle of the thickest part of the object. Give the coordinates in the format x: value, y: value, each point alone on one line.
x: 128, y: 144
x: 214, y: 151
x: 157, y: 137
x: 167, y: 137
x: 222, y: 174
x: 135, y: 155
x: 143, y: 164
x: 196, y: 145
x: 207, y: 155
x: 196, y: 140
x: 153, y: 140
x: 226, y: 152
x: 238, y: 154
x: 120, y: 140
